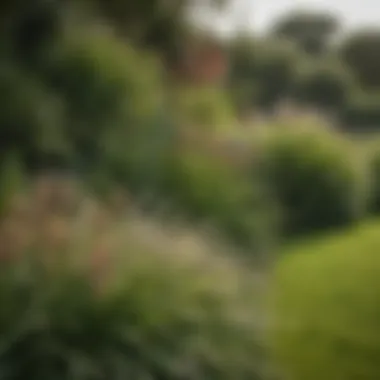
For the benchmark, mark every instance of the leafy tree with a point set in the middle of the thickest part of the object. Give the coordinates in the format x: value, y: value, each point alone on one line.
x: 309, y: 30
x: 28, y: 28
x: 160, y: 24
x: 361, y: 111
x: 31, y: 116
x: 361, y: 52
x: 277, y: 70
x: 243, y: 72
x: 263, y: 72
x: 324, y: 85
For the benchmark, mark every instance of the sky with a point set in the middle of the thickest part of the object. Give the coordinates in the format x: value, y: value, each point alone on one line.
x: 258, y: 15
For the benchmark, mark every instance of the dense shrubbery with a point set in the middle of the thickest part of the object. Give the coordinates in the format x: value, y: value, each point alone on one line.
x: 85, y: 103
x: 205, y: 107
x: 316, y: 178
x: 361, y: 112
x: 303, y: 58
x: 87, y: 296
x: 110, y: 92
x: 327, y: 308
x: 324, y: 86
x: 30, y: 120
x: 208, y: 190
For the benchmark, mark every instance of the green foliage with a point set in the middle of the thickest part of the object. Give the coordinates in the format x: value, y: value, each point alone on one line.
x: 361, y: 53
x: 311, y: 31
x: 374, y: 173
x: 361, y: 112
x: 263, y: 71
x: 277, y: 71
x: 327, y: 308
x: 166, y: 308
x: 324, y: 85
x: 243, y: 72
x: 110, y: 94
x: 87, y: 102
x: 155, y: 24
x: 28, y: 28
x: 30, y: 119
x: 315, y: 176
x: 11, y: 181
x: 210, y: 191
x: 205, y: 108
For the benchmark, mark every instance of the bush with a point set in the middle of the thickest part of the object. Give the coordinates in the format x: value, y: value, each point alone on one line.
x: 209, y: 190
x: 327, y: 298
x: 361, y: 112
x: 110, y: 92
x: 324, y: 86
x: 316, y: 178
x: 85, y: 102
x: 31, y: 120
x: 205, y: 107
x: 11, y: 181
x: 276, y: 72
x: 98, y: 298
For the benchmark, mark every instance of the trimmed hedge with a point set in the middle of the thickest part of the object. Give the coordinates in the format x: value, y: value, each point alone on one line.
x: 315, y: 176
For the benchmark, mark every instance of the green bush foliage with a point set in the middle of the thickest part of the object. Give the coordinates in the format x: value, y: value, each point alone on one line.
x: 209, y: 190
x: 315, y: 176
x: 110, y: 91
x: 89, y: 297
x: 327, y: 297
x: 361, y: 112
x: 205, y: 108
x: 31, y: 117
x: 323, y: 85
x: 86, y: 101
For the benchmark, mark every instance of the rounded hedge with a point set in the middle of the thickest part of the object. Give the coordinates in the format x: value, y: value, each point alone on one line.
x: 327, y: 304
x: 315, y: 176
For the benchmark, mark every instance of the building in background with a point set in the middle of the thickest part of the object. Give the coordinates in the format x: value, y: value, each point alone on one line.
x: 203, y: 61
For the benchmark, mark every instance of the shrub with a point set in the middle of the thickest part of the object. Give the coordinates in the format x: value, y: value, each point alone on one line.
x: 205, y: 107
x: 324, y: 86
x: 11, y: 180
x: 209, y: 190
x: 361, y: 112
x: 86, y: 101
x: 31, y: 118
x: 110, y: 92
x: 97, y: 298
x: 327, y: 297
x: 315, y: 176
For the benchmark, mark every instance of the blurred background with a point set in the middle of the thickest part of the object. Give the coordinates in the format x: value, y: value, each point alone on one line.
x: 189, y: 190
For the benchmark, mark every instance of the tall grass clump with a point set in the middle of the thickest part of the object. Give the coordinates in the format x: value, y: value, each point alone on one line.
x: 327, y: 297
x: 316, y: 177
x: 87, y: 294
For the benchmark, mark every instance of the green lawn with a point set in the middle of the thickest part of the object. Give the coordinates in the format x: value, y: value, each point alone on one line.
x: 327, y: 303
